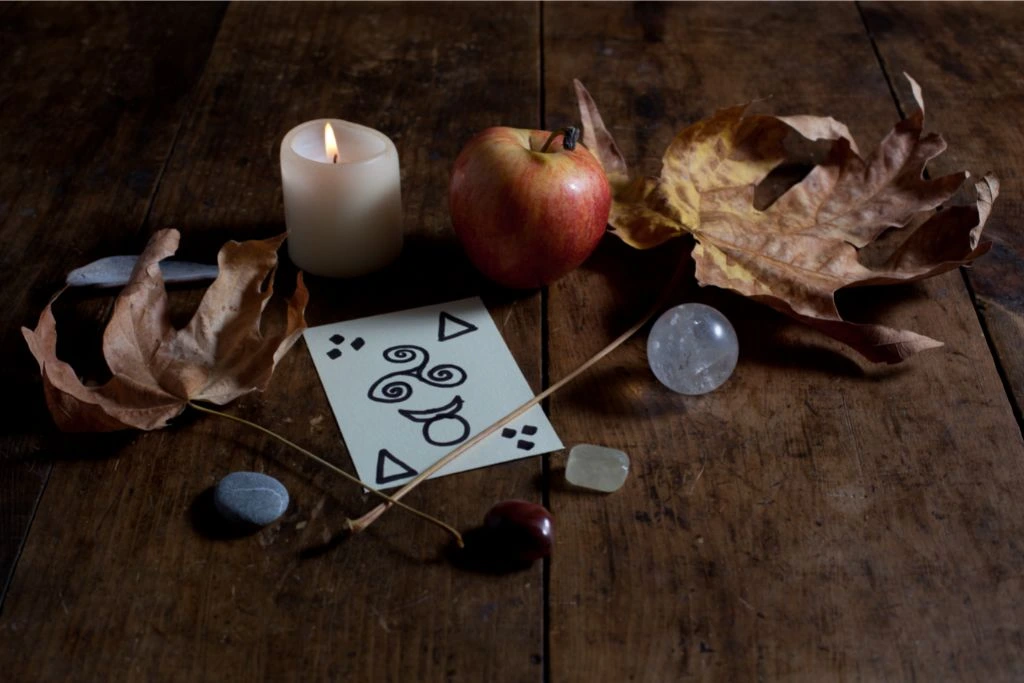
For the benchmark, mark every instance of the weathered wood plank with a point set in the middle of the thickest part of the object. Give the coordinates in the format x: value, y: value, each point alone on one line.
x: 815, y: 518
x: 148, y: 593
x: 91, y: 98
x: 969, y: 66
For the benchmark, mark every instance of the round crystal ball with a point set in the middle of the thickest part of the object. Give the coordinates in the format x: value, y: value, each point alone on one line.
x: 692, y: 349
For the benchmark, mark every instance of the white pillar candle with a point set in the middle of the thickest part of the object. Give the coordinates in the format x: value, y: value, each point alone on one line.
x: 343, y: 210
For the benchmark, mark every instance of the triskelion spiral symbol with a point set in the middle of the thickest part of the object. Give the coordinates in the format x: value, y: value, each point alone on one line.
x: 394, y: 387
x: 404, y: 354
x: 391, y: 389
x: 444, y: 376
x: 393, y: 392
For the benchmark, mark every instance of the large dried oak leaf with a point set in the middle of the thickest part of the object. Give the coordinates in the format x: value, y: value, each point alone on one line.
x: 156, y: 370
x: 850, y: 222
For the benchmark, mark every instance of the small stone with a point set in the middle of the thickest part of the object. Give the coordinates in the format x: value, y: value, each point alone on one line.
x: 250, y: 498
x: 692, y: 349
x: 597, y: 468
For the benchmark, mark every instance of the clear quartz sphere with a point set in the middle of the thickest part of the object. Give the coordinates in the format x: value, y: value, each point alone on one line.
x: 692, y: 349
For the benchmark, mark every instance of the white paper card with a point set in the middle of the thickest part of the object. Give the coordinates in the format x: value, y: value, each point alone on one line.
x: 409, y: 387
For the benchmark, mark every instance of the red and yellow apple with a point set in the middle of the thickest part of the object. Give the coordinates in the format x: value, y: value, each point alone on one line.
x: 527, y: 212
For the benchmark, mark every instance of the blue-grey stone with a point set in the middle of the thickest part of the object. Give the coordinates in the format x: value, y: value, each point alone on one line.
x: 250, y: 498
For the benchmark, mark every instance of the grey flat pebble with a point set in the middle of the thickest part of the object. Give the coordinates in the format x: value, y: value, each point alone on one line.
x: 250, y: 498
x: 115, y: 271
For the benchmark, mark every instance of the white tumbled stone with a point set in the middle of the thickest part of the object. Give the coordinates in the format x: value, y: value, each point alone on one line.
x: 597, y: 468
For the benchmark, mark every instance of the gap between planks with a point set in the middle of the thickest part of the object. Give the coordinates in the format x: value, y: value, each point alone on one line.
x: 1004, y: 378
x: 186, y: 116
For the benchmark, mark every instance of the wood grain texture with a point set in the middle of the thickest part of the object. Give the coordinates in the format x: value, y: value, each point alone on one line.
x: 968, y: 62
x: 121, y: 577
x: 91, y: 97
x: 815, y: 518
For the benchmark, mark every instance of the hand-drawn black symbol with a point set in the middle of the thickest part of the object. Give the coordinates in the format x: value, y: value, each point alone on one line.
x: 391, y: 389
x: 337, y: 340
x: 522, y: 444
x: 436, y: 421
x: 385, y: 456
x: 450, y: 327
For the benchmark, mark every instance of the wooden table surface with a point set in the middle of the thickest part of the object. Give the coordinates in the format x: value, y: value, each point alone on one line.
x: 817, y: 518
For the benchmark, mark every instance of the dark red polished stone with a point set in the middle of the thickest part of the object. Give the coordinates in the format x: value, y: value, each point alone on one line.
x: 520, y: 529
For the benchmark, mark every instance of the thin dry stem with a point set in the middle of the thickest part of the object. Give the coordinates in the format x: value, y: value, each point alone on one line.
x: 390, y: 500
x: 370, y: 517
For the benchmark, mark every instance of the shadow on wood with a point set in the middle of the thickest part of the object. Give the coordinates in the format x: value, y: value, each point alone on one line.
x: 482, y: 555
x: 207, y: 522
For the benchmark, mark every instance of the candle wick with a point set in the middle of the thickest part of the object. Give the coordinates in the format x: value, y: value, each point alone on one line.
x: 335, y: 158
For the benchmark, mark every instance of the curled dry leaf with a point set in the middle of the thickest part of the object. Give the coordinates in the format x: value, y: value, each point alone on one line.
x: 156, y: 370
x: 850, y: 222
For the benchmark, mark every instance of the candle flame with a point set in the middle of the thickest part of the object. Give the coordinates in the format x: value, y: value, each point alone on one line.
x: 330, y: 144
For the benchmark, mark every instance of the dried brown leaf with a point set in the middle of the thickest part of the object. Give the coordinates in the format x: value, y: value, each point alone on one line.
x: 156, y: 370
x: 598, y: 140
x: 851, y: 221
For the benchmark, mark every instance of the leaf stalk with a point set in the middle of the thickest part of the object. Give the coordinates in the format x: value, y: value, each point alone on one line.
x: 390, y: 500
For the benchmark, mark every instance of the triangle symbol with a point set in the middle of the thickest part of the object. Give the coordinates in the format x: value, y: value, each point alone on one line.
x: 403, y: 470
x: 450, y: 327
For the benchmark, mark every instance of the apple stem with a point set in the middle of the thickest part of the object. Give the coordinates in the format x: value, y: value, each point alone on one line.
x: 571, y: 135
x: 370, y: 517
